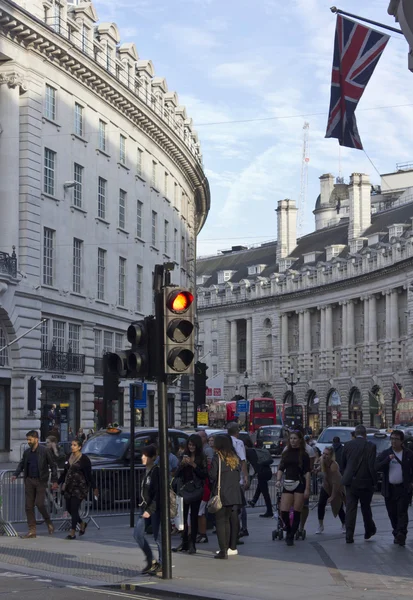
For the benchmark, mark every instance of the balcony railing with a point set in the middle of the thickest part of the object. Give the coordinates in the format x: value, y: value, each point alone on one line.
x: 8, y: 263
x: 64, y: 362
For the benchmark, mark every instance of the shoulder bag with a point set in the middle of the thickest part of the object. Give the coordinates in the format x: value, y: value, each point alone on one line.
x: 215, y: 503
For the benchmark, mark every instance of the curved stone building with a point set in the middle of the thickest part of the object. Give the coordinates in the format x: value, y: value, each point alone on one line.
x: 101, y: 178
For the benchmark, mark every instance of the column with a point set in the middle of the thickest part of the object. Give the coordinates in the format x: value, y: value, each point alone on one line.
x: 284, y: 343
x: 301, y: 341
x: 10, y: 84
x: 372, y: 336
x: 233, y: 347
x: 394, y: 316
x: 249, y: 347
x: 328, y: 339
x: 88, y: 379
x: 322, y: 337
x: 389, y: 331
x: 307, y: 342
x: 351, y: 341
x: 344, y: 337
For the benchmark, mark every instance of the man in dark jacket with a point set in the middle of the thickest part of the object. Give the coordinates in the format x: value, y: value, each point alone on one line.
x: 396, y: 464
x: 35, y: 465
x: 338, y: 448
x: 359, y: 477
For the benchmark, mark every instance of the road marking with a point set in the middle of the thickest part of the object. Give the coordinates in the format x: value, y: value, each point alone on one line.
x: 16, y: 575
x: 334, y: 571
x: 110, y: 593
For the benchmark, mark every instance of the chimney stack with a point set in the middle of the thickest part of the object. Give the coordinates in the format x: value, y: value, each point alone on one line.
x: 287, y: 228
x: 360, y: 205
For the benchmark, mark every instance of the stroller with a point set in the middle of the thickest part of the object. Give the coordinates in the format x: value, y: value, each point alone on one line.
x: 278, y: 533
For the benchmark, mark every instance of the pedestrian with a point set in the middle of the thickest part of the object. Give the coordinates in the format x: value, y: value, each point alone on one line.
x: 81, y: 435
x: 56, y: 451
x: 70, y: 435
x: 190, y: 475
x: 91, y: 432
x: 149, y: 501
x: 359, y: 477
x: 261, y: 461
x: 225, y: 471
x: 77, y: 479
x: 51, y: 416
x: 295, y: 467
x: 202, y: 537
x: 233, y: 431
x: 173, y: 461
x: 208, y: 450
x: 338, y: 448
x: 332, y: 492
x: 35, y: 465
x: 396, y: 464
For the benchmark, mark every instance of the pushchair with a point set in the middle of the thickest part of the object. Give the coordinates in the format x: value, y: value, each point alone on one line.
x: 278, y: 533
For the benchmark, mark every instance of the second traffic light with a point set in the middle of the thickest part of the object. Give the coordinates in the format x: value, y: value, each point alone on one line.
x: 179, y: 316
x: 137, y: 362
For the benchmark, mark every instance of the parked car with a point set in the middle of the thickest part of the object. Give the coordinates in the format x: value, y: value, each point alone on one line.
x: 344, y: 433
x: 272, y: 438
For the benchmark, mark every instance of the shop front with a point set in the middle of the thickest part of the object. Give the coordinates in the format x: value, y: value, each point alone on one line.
x: 115, y: 409
x: 4, y: 415
x: 355, y: 413
x: 333, y: 415
x: 313, y: 415
x: 60, y: 410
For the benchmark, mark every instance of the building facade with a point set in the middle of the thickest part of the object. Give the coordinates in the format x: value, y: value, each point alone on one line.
x: 101, y: 178
x: 331, y: 311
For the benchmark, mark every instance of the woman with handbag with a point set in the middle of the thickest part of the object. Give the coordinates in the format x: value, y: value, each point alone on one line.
x: 77, y: 479
x: 295, y: 467
x: 226, y: 498
x: 189, y: 477
x: 332, y: 491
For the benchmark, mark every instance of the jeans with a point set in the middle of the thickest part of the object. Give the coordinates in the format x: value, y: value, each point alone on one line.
x: 194, y: 506
x: 227, y: 528
x: 262, y: 488
x: 322, y: 503
x: 72, y: 505
x: 140, y: 539
x: 397, y: 505
x: 35, y: 495
x: 353, y: 496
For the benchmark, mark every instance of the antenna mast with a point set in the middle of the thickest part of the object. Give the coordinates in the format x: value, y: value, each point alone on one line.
x: 304, y: 176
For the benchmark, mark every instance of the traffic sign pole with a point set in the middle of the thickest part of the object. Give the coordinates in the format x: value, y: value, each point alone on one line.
x: 132, y: 480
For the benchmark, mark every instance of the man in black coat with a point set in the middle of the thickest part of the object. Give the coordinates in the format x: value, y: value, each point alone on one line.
x: 35, y: 465
x: 396, y: 464
x: 359, y: 477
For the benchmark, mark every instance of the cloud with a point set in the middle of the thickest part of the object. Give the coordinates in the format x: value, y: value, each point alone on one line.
x: 242, y: 74
x: 186, y: 36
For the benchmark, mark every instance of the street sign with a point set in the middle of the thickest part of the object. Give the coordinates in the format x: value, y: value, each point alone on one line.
x: 185, y: 396
x: 242, y: 406
x: 202, y: 418
x: 138, y: 394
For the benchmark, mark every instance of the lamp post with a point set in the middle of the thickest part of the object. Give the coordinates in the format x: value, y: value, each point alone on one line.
x: 292, y: 384
x: 246, y: 384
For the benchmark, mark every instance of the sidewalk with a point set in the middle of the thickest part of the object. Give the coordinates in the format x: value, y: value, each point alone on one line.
x: 321, y: 566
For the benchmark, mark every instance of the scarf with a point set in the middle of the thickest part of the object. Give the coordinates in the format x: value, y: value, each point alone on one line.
x: 74, y: 459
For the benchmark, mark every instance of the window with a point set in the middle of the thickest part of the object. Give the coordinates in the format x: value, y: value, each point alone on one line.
x: 165, y: 236
x: 214, y: 324
x: 59, y: 335
x: 108, y: 53
x: 122, y: 208
x: 118, y: 341
x: 165, y: 185
x: 78, y: 119
x: 98, y: 342
x: 49, y: 171
x: 102, y: 136
x: 77, y: 265
x: 50, y: 103
x: 85, y: 35
x: 122, y: 149
x: 44, y: 335
x: 48, y: 249
x: 102, y: 183
x: 4, y: 357
x: 183, y: 252
x: 101, y: 273
x: 57, y: 15
x: 139, y: 206
x: 139, y: 288
x: 122, y: 280
x: 74, y: 338
x: 175, y: 244
x: 153, y: 178
x: 154, y: 223
x: 107, y: 341
x: 214, y: 347
x: 78, y: 189
x: 214, y: 370
x: 139, y: 162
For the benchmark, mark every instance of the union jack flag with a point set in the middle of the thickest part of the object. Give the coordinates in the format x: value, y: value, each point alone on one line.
x: 357, y: 50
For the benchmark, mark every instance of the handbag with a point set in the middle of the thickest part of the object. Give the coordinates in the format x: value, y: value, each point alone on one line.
x: 215, y: 502
x: 290, y: 485
x: 173, y: 504
x: 192, y: 491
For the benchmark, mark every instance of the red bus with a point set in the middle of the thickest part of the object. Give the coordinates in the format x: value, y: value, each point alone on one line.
x: 263, y: 411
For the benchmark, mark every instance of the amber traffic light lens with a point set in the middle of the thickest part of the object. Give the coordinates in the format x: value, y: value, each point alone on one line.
x: 179, y: 302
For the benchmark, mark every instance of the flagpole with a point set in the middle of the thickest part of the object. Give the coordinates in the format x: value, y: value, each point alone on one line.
x: 336, y: 10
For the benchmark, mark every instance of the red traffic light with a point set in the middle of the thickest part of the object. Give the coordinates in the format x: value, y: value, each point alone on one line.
x: 179, y: 301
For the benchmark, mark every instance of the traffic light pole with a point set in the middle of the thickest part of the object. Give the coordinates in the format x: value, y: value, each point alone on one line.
x: 159, y: 282
x: 132, y: 479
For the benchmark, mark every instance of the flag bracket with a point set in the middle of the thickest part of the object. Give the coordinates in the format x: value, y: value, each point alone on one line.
x: 336, y: 10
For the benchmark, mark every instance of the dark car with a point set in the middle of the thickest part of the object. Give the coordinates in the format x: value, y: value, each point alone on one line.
x: 272, y: 438
x: 109, y: 452
x: 382, y: 443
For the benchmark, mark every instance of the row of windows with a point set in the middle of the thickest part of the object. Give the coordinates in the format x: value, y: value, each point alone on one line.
x: 108, y: 341
x: 77, y: 270
x: 50, y: 112
x: 60, y: 336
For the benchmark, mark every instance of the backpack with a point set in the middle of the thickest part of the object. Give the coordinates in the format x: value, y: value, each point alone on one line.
x: 264, y: 458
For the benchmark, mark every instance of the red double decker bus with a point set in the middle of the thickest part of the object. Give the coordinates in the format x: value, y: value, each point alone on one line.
x: 263, y: 411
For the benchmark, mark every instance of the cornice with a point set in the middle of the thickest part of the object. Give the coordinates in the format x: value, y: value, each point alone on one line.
x: 33, y: 35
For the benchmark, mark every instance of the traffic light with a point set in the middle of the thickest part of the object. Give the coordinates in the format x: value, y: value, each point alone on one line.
x: 178, y: 330
x: 136, y: 362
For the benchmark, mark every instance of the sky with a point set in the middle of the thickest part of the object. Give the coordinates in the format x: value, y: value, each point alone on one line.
x: 250, y: 75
